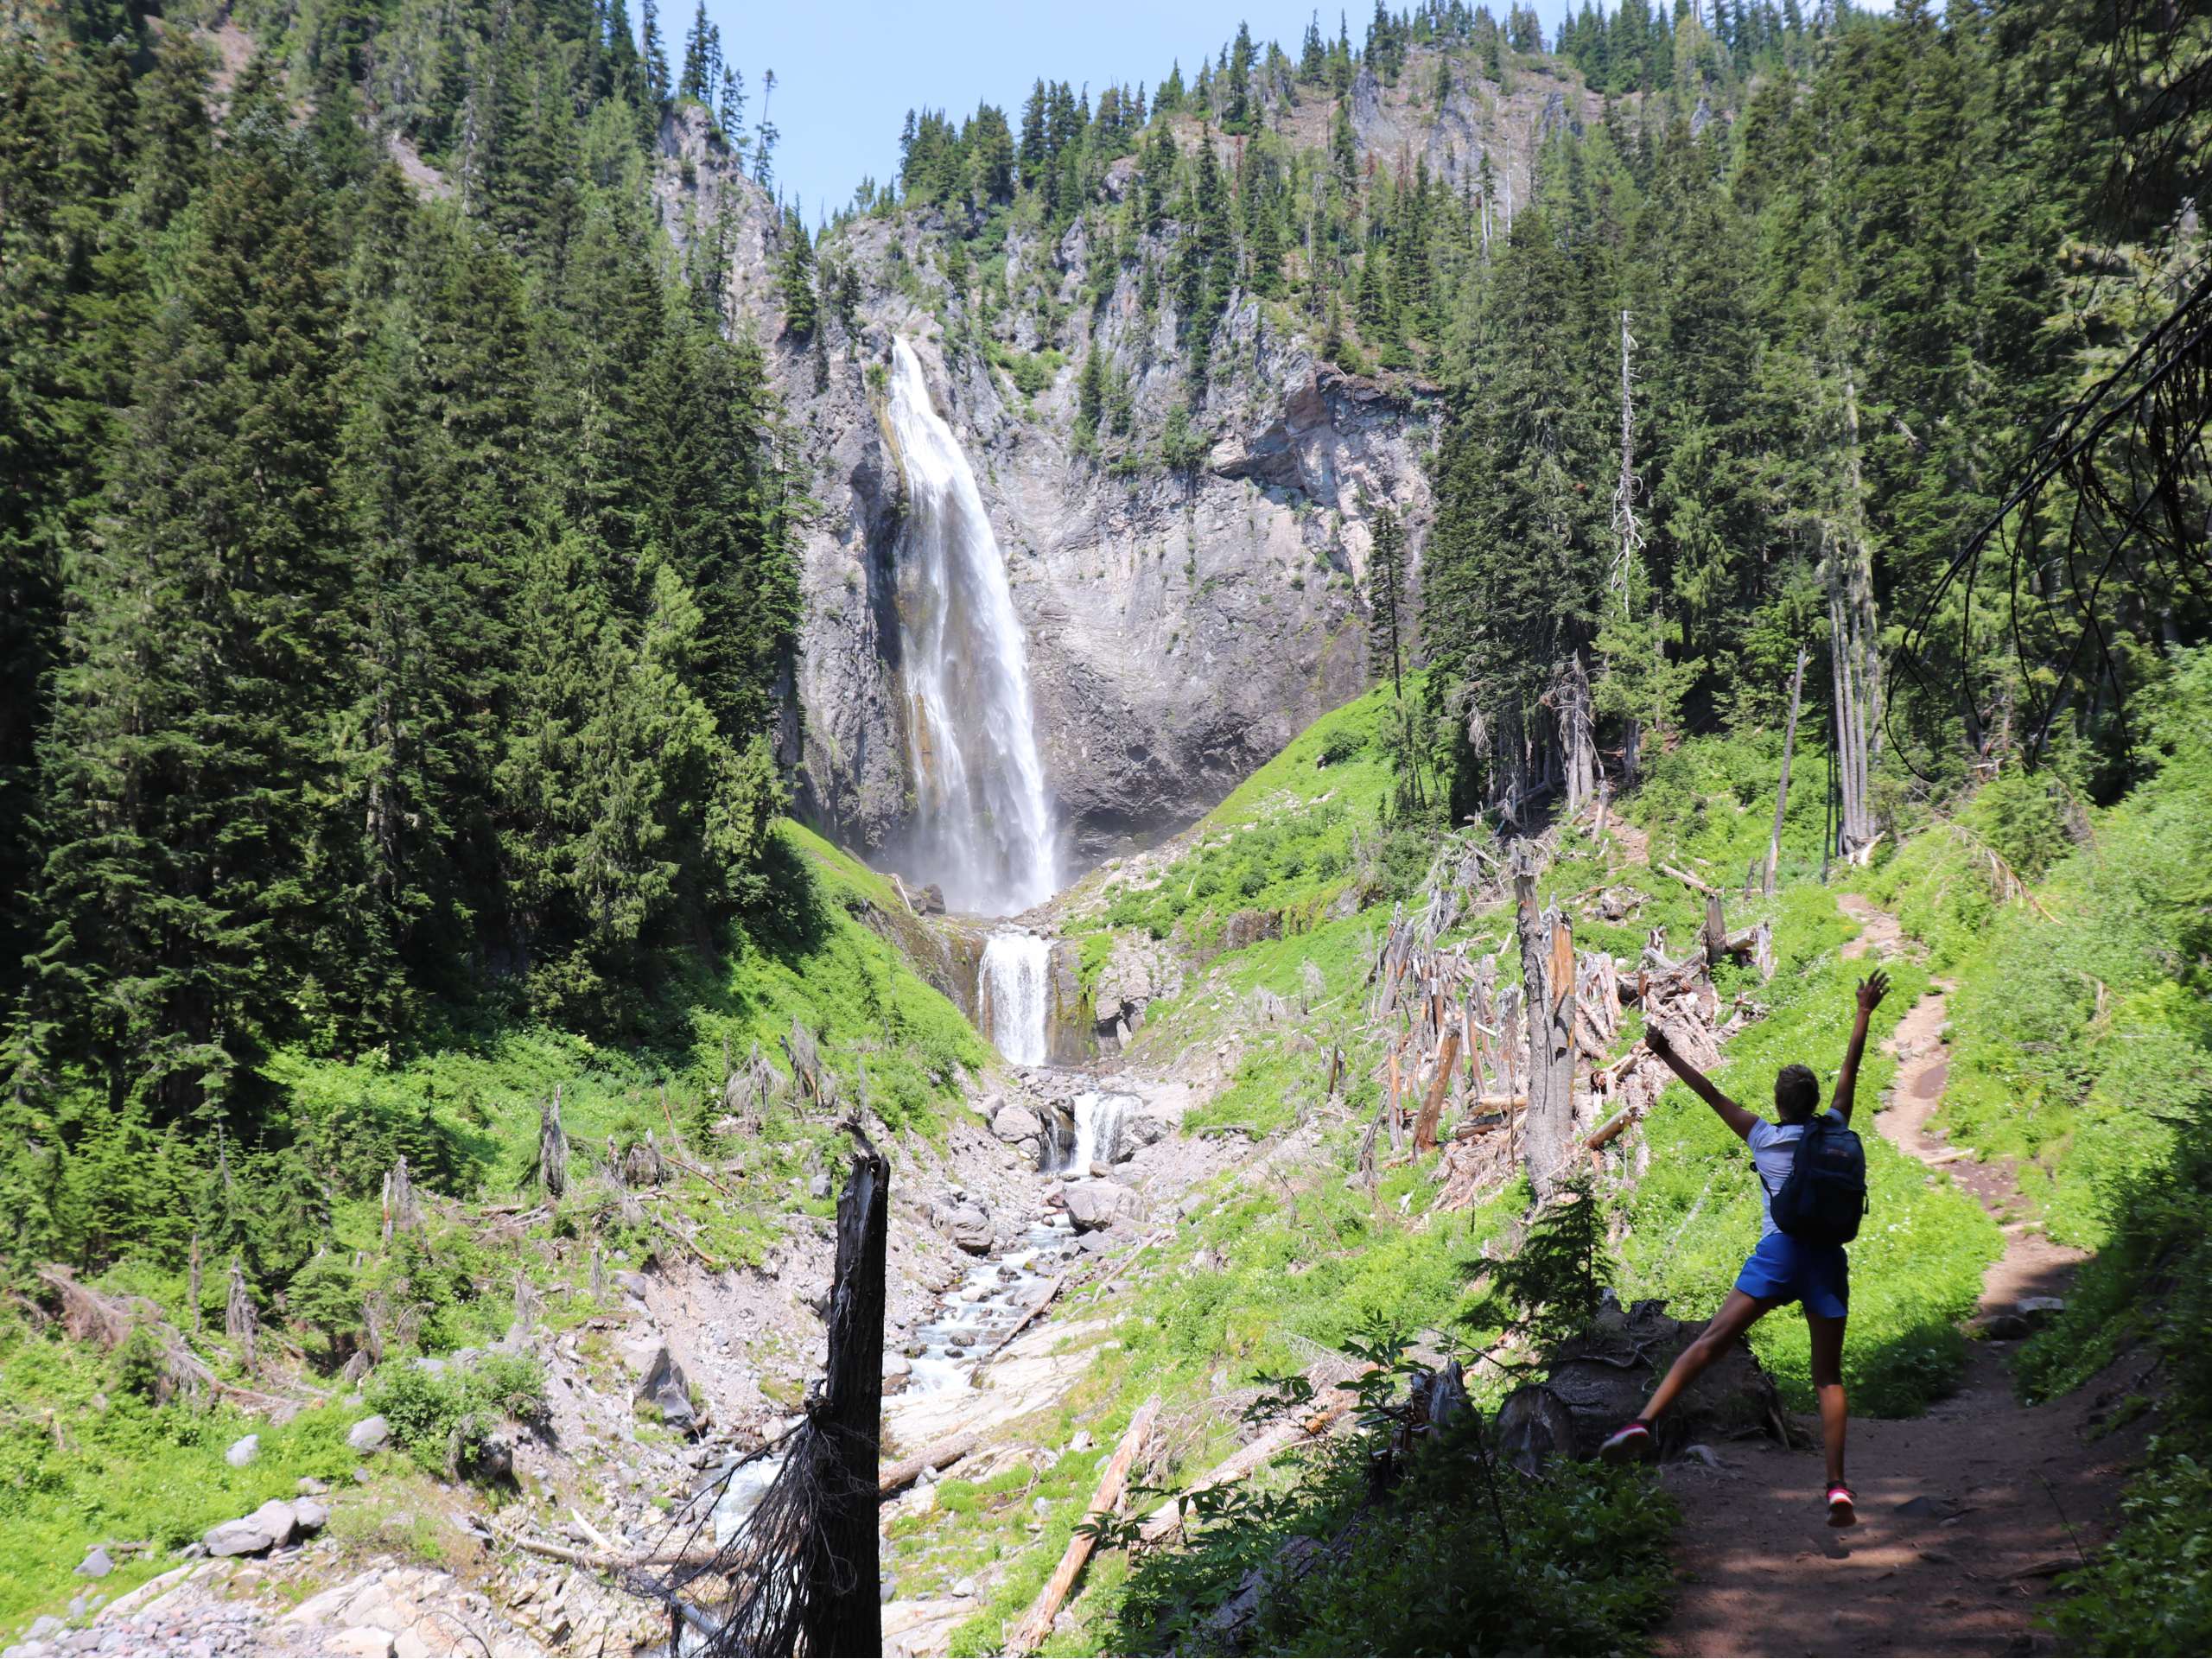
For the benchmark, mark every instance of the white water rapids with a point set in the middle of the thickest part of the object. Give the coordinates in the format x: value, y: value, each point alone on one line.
x: 982, y: 826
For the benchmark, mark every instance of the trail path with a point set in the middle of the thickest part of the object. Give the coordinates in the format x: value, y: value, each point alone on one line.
x: 1964, y: 1513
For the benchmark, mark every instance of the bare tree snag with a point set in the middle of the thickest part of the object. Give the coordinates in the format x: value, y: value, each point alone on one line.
x: 1547, y: 979
x: 1036, y: 1623
x: 1855, y: 650
x: 1716, y: 933
x: 1781, y: 790
x: 552, y: 1148
x: 801, y: 1572
x: 1432, y: 1108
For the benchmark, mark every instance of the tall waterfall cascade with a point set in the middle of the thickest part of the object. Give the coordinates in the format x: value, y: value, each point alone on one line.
x: 1012, y: 990
x: 982, y: 824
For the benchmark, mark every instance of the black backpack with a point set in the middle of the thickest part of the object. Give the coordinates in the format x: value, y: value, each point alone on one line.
x: 1823, y: 1198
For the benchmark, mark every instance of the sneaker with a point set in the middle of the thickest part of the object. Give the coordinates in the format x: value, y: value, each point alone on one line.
x: 1843, y: 1509
x: 1632, y: 1440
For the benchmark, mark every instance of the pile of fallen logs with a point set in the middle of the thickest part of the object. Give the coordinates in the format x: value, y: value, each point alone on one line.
x: 1463, y: 1057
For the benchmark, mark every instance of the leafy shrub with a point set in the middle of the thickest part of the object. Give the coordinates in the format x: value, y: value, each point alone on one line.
x: 442, y: 1418
x: 1387, y: 1543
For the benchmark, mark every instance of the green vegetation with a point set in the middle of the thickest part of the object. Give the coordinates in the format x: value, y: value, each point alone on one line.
x: 88, y: 1454
x: 1309, y: 833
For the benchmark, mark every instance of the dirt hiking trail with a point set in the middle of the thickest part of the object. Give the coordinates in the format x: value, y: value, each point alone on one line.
x: 1966, y: 1514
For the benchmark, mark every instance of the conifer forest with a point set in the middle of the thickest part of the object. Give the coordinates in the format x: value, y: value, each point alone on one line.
x: 1139, y: 771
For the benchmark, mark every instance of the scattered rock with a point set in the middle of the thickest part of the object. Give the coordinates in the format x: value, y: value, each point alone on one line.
x: 243, y: 1450
x: 1081, y: 1442
x: 964, y: 1589
x: 310, y: 1515
x: 1094, y: 1204
x: 1703, y: 1454
x: 366, y: 1641
x: 633, y: 1284
x: 370, y: 1434
x: 818, y: 1188
x: 1015, y: 1123
x: 310, y: 1487
x: 96, y: 1565
x: 664, y: 1387
x: 972, y: 1229
x: 272, y: 1524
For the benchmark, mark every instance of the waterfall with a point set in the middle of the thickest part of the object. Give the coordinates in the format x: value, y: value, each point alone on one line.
x: 1098, y: 1120
x: 1011, y: 990
x: 981, y: 827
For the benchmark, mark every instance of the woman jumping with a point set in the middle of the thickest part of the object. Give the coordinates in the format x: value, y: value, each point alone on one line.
x: 1783, y: 1268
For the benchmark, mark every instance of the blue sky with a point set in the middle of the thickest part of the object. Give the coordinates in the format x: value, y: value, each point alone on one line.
x: 847, y: 74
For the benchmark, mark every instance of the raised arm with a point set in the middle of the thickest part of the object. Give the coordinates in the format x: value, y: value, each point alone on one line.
x: 1871, y: 990
x: 1700, y: 1085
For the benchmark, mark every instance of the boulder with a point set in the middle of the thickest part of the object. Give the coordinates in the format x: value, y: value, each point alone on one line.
x: 2039, y: 1311
x: 1142, y: 1129
x: 633, y: 1284
x: 310, y: 1487
x: 1246, y: 928
x: 1012, y: 1122
x: 243, y: 1450
x: 361, y: 1642
x: 96, y: 1565
x: 663, y: 1386
x: 1094, y: 1204
x: 310, y: 1515
x: 370, y: 1434
x: 493, y: 1460
x: 817, y: 1187
x: 930, y: 901
x: 271, y: 1525
x: 970, y: 1229
x: 1600, y: 1379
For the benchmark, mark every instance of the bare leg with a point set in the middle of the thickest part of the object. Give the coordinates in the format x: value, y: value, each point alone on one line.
x: 1736, y: 1315
x: 1827, y: 1384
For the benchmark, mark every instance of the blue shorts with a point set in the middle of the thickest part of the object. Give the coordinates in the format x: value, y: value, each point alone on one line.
x: 1782, y: 1269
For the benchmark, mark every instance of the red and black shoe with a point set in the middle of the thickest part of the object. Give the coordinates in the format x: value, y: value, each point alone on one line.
x: 1631, y: 1440
x: 1843, y: 1509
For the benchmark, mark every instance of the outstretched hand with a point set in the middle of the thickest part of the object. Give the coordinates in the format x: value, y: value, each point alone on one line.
x: 1871, y: 990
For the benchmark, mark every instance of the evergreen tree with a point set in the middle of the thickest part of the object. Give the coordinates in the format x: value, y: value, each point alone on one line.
x: 189, y: 773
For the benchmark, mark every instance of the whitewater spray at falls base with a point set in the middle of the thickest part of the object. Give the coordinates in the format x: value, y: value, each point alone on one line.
x: 981, y: 827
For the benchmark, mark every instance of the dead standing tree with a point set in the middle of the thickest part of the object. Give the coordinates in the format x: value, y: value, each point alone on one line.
x: 1781, y: 790
x: 1547, y: 976
x: 800, y: 1575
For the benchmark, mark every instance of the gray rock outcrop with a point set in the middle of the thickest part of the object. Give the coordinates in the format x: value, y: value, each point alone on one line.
x: 370, y: 1434
x: 271, y: 1526
x: 1094, y: 1205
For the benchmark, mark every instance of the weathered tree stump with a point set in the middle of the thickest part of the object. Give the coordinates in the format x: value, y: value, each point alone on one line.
x: 1602, y: 1378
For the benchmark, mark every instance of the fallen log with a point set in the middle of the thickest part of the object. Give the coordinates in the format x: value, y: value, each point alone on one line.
x: 1238, y: 1464
x: 1024, y: 1322
x: 1036, y: 1624
x: 1689, y: 880
x: 942, y: 1455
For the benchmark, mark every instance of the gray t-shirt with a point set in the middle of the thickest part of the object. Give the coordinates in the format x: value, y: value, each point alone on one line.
x: 1774, y: 1154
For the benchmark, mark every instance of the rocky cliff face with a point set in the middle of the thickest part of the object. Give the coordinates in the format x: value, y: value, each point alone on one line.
x: 1185, y: 615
